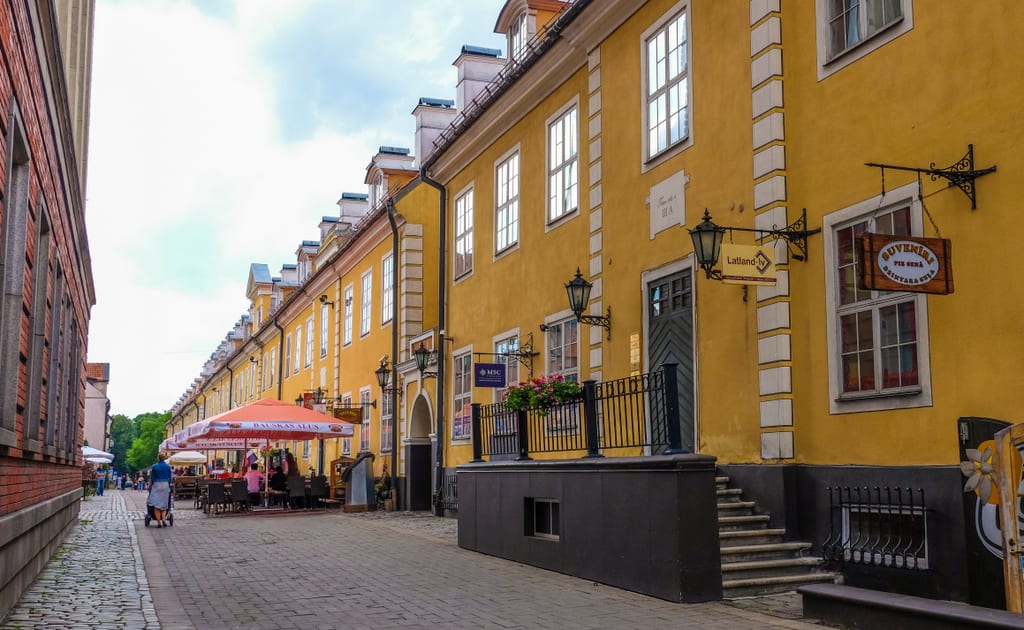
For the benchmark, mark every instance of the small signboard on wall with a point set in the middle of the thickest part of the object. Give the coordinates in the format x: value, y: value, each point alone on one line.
x: 748, y: 264
x: 489, y: 375
x: 905, y: 263
x: 667, y: 203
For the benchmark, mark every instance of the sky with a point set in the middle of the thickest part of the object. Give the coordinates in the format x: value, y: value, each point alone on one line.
x: 221, y: 132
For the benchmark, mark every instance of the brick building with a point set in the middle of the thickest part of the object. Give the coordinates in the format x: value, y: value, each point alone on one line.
x: 47, y: 287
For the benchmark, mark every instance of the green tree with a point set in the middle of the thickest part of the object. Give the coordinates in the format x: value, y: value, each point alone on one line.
x: 149, y: 432
x: 122, y: 434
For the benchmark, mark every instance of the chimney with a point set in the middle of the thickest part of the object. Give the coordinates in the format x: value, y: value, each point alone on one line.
x: 433, y: 115
x: 477, y: 67
x: 353, y: 206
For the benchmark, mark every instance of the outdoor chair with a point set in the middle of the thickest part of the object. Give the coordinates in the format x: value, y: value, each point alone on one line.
x: 296, y: 492
x: 240, y: 494
x: 318, y: 490
x: 200, y: 494
x: 215, y: 497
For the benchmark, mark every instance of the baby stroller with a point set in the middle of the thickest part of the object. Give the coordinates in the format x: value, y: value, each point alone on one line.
x: 150, y: 516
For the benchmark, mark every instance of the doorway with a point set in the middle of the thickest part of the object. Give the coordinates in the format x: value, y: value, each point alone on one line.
x: 418, y: 456
x: 670, y: 340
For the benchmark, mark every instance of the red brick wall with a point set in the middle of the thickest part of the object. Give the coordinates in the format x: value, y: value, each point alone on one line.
x: 27, y: 478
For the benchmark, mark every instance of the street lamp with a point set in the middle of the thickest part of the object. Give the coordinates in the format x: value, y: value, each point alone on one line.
x: 578, y: 290
x: 707, y: 239
x: 383, y: 373
x: 423, y: 356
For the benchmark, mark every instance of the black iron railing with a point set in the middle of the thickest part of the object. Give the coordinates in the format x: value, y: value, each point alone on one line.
x: 879, y: 526
x: 629, y: 416
x: 448, y: 498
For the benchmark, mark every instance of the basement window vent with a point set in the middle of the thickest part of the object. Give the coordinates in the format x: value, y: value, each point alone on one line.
x: 543, y: 518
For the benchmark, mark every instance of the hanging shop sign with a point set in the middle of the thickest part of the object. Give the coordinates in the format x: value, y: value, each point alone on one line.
x: 748, y: 264
x: 905, y: 263
x: 489, y: 375
x: 349, y: 414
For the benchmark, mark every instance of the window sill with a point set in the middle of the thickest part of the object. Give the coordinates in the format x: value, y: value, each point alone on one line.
x: 889, y: 393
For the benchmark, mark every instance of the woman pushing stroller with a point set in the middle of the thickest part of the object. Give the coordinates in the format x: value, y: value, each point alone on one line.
x: 160, y: 490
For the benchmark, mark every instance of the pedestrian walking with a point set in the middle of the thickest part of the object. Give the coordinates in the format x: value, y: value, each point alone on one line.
x: 101, y: 478
x: 160, y: 490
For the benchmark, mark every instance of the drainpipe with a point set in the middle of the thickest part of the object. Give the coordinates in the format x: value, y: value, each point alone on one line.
x: 394, y: 352
x: 280, y: 362
x: 194, y: 402
x: 442, y: 272
x: 231, y: 387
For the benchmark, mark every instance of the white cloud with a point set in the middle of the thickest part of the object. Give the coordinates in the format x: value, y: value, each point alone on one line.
x: 190, y: 180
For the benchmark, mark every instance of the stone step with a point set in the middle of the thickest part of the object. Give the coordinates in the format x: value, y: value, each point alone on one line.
x: 746, y: 521
x: 735, y: 508
x: 729, y: 494
x: 752, y: 587
x: 721, y: 482
x: 750, y: 569
x: 739, y: 537
x: 770, y: 551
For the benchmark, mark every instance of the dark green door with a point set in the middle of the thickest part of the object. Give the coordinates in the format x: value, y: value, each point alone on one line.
x: 670, y: 340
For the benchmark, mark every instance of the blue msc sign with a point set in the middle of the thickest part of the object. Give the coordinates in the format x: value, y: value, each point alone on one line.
x: 489, y: 375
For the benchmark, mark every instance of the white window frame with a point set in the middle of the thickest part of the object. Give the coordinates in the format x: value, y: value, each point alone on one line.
x: 506, y: 201
x: 838, y: 403
x: 462, y: 233
x: 462, y: 394
x: 519, y: 32
x: 652, y: 157
x: 297, y: 357
x: 562, y: 420
x: 387, y: 285
x: 364, y: 430
x: 273, y: 365
x: 348, y: 300
x: 309, y: 341
x: 324, y: 330
x: 365, y: 302
x: 346, y: 442
x: 500, y: 342
x: 287, y: 353
x: 387, y: 417
x: 829, y: 63
x: 569, y: 115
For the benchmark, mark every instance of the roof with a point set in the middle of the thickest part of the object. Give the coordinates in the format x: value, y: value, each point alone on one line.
x: 436, y: 102
x: 260, y: 273
x: 355, y: 196
x: 394, y: 150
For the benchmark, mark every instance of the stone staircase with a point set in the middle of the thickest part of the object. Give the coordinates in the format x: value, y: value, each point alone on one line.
x: 756, y: 560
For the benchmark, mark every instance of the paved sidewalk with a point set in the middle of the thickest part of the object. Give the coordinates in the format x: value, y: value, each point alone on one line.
x: 324, y: 570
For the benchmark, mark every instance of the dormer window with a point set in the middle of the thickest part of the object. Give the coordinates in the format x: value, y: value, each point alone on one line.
x: 517, y: 36
x: 377, y: 191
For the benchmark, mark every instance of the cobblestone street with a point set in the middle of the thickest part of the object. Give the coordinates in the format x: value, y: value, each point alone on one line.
x: 327, y: 570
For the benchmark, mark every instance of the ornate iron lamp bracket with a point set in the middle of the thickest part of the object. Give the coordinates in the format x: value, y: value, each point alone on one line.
x: 524, y: 354
x: 960, y: 174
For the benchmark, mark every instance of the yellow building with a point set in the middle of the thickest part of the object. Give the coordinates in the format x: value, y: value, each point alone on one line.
x: 602, y: 142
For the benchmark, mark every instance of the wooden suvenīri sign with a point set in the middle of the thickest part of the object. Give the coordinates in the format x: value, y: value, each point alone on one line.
x: 905, y: 263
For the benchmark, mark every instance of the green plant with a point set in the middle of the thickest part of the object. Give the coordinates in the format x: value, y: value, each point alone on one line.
x: 542, y: 393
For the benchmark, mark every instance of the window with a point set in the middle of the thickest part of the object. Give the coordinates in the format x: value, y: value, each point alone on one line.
x: 287, y: 354
x: 668, y: 92
x: 323, y: 330
x: 562, y: 340
x: 346, y: 442
x: 509, y: 347
x: 505, y: 423
x: 543, y: 518
x: 386, y: 419
x: 273, y: 365
x: 387, y: 287
x: 506, y: 219
x: 305, y: 450
x: 517, y: 36
x: 365, y: 303
x: 298, y: 350
x: 348, y: 314
x: 364, y: 431
x: 377, y: 191
x: 877, y: 339
x: 462, y: 396
x: 848, y: 30
x: 852, y: 21
x: 563, y: 165
x: 464, y: 234
x: 309, y: 342
x: 563, y: 349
